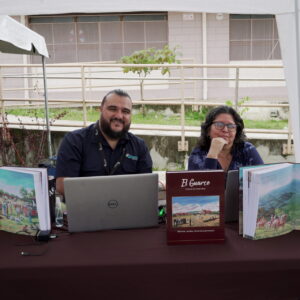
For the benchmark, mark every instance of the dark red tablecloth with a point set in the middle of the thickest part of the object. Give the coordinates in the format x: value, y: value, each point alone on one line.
x: 138, y: 264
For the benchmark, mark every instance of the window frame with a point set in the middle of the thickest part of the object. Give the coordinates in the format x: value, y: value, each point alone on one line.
x: 99, y: 19
x: 253, y: 43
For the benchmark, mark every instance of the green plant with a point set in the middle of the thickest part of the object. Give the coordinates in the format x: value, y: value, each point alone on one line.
x: 149, y: 56
x: 192, y: 118
x: 241, y: 110
x: 23, y: 146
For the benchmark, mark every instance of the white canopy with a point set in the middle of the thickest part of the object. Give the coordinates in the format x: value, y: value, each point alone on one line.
x: 36, y: 7
x: 287, y: 21
x: 19, y: 39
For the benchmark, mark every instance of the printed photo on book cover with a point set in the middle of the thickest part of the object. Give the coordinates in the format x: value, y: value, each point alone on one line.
x: 18, y: 211
x: 195, y: 211
x: 278, y: 203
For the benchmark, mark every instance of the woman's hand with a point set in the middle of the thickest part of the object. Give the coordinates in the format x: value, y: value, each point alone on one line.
x: 216, y: 147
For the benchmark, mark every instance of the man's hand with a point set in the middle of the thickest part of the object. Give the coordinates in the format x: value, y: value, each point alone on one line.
x: 216, y: 147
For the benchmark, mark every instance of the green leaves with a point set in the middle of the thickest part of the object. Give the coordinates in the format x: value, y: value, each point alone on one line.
x: 241, y: 110
x: 150, y: 56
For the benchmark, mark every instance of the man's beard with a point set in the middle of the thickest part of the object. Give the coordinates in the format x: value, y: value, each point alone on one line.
x: 114, y: 135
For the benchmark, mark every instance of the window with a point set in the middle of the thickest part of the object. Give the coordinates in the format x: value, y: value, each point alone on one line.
x: 101, y: 37
x: 254, y: 37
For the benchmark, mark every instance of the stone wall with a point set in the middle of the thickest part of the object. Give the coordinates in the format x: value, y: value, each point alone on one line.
x: 163, y: 149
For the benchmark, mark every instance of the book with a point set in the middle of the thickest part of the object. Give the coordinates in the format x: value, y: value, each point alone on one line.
x: 243, y: 184
x: 24, y: 200
x: 195, y: 206
x: 271, y: 200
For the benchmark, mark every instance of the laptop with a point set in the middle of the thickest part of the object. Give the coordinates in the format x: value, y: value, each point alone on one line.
x: 111, y: 202
x: 232, y: 196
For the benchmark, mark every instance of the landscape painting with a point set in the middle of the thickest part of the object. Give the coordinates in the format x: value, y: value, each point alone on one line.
x: 18, y: 211
x: 195, y: 211
x: 279, y: 206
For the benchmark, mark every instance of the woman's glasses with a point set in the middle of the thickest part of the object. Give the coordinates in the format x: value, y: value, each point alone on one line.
x: 221, y: 125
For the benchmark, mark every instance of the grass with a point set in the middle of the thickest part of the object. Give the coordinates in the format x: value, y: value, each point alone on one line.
x: 270, y: 124
x: 192, y: 118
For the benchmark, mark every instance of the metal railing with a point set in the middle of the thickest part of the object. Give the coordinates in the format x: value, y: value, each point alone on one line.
x: 82, y: 81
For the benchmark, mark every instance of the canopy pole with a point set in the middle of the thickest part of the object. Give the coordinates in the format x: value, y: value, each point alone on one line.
x: 46, y: 109
x: 297, y: 42
x: 298, y: 58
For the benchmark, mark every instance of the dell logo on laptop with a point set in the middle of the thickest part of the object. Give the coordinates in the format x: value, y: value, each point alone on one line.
x: 112, y: 203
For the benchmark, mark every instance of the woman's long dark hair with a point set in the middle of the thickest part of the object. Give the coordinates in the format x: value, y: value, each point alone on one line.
x: 204, y: 140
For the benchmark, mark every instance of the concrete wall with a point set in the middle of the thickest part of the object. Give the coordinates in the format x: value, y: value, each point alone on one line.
x: 165, y: 156
x: 164, y: 152
x: 163, y: 149
x: 187, y: 34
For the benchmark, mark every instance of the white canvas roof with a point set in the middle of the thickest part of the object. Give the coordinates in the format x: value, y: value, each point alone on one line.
x: 19, y: 39
x: 287, y: 21
x: 35, y: 7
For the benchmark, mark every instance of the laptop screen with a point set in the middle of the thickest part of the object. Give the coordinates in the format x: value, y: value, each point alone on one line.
x: 111, y: 202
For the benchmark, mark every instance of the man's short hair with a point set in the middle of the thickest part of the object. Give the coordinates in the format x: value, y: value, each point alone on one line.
x: 118, y: 92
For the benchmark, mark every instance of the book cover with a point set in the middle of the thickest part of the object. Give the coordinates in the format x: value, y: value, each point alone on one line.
x: 273, y: 207
x: 24, y: 206
x: 244, y: 192
x: 195, y: 206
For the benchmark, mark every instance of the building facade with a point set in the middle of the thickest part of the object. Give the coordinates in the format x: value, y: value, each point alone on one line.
x: 200, y: 38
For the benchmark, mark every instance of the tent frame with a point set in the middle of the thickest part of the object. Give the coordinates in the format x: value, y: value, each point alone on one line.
x: 15, y: 38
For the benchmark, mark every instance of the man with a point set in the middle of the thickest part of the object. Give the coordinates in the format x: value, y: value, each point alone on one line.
x: 106, y: 147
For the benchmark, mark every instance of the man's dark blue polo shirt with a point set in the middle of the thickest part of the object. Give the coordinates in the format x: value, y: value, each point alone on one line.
x: 79, y: 154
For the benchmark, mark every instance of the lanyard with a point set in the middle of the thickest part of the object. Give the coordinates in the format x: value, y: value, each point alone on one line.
x: 105, y: 164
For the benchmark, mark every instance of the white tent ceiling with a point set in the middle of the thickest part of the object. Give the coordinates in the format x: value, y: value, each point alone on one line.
x: 283, y: 9
x: 34, y: 7
x: 19, y: 39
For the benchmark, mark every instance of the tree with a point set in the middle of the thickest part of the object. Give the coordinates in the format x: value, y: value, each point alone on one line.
x: 24, y: 193
x: 149, y: 56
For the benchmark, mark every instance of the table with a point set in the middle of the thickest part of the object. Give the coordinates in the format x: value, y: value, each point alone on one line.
x: 138, y: 264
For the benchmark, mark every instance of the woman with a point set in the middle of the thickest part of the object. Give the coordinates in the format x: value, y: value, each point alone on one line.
x: 222, y: 143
